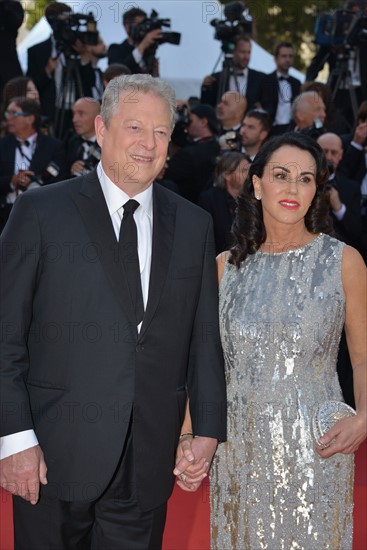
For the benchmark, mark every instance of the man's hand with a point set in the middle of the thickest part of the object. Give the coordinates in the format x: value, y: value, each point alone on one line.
x: 22, y: 473
x: 77, y: 167
x: 22, y: 179
x: 208, y: 81
x: 193, y: 461
x: 51, y: 66
x: 360, y: 133
x: 335, y: 201
x: 149, y: 39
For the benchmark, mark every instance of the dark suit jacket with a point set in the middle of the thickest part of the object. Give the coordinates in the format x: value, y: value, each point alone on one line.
x: 47, y: 149
x: 209, y: 94
x: 221, y: 205
x: 75, y: 358
x: 269, y: 95
x: 349, y: 229
x: 191, y: 168
x: 122, y: 53
x: 11, y: 18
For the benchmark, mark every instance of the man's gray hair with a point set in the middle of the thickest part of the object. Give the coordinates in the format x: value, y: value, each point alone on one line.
x: 302, y: 101
x: 129, y: 86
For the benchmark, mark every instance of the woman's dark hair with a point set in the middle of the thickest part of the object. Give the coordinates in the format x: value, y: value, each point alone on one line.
x: 228, y: 162
x: 248, y: 228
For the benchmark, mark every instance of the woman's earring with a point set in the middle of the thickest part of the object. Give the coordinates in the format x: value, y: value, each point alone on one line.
x: 257, y: 196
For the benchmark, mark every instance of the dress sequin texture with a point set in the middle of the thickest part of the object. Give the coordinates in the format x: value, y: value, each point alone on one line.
x: 281, y: 320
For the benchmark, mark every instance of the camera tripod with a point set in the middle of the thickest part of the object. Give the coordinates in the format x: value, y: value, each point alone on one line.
x: 228, y: 70
x: 71, y: 89
x: 341, y: 75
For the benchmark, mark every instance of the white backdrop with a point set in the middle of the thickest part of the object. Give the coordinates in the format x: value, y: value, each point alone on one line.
x: 183, y: 66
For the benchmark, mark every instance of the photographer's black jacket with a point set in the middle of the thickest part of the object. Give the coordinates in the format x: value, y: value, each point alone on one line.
x: 122, y: 53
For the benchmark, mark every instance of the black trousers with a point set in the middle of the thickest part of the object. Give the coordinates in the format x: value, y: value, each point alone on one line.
x: 112, y: 522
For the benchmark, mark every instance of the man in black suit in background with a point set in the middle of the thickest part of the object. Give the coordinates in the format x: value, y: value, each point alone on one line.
x: 11, y: 18
x: 48, y: 68
x: 131, y: 52
x: 124, y: 270
x: 279, y: 89
x: 26, y: 154
x: 244, y: 80
x: 192, y: 167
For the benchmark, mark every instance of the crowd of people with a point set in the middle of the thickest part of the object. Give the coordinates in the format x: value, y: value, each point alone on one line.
x: 265, y: 172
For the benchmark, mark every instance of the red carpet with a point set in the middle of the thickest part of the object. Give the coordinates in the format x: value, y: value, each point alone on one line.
x: 188, y: 515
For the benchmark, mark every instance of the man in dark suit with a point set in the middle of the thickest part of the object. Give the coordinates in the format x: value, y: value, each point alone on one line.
x: 279, y: 89
x: 26, y: 155
x: 11, y: 18
x: 192, y: 167
x: 83, y: 151
x: 99, y: 406
x: 241, y: 79
x: 132, y: 52
x: 345, y: 195
x: 60, y: 80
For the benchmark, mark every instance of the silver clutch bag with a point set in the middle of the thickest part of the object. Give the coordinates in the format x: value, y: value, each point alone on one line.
x: 326, y: 415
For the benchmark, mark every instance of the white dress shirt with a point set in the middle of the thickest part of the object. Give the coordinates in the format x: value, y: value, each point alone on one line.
x: 143, y: 216
x: 283, y: 114
x: 238, y: 83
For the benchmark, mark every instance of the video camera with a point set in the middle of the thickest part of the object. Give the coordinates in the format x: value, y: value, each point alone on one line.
x: 139, y: 31
x: 238, y: 21
x: 72, y: 27
x: 343, y: 27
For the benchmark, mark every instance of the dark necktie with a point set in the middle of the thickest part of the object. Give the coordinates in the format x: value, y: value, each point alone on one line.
x: 128, y: 252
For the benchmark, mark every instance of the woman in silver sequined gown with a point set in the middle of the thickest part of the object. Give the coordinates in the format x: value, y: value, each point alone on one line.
x: 282, y: 309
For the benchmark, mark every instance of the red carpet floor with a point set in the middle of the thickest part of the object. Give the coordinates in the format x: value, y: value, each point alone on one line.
x: 188, y: 515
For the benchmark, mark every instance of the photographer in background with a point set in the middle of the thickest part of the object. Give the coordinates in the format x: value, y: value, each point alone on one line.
x: 130, y: 52
x: 191, y: 168
x: 244, y: 80
x: 254, y: 131
x: 47, y: 67
x: 11, y: 18
x: 83, y: 151
x: 26, y: 156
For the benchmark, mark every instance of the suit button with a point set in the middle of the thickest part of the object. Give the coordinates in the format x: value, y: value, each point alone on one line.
x: 139, y: 347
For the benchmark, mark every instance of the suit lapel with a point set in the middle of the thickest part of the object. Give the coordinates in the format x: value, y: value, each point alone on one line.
x: 94, y: 213
x: 164, y: 216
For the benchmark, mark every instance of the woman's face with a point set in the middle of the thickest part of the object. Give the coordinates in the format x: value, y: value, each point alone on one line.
x: 236, y: 178
x: 32, y: 92
x: 287, y: 186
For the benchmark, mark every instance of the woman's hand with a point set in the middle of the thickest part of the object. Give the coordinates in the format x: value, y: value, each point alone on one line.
x: 344, y: 437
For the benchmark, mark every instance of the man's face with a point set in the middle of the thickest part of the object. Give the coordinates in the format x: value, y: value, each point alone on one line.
x: 135, y: 142
x: 331, y: 144
x: 242, y: 54
x: 84, y: 113
x: 195, y: 127
x: 136, y: 21
x: 18, y: 126
x: 284, y: 59
x: 231, y: 103
x: 252, y: 132
x: 99, y: 50
x: 313, y: 108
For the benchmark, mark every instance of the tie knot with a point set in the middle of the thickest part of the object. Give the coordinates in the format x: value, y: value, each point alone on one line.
x: 24, y: 142
x: 130, y: 206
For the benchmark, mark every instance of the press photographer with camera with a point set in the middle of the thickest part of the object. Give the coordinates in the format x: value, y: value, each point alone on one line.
x: 28, y: 158
x: 341, y: 37
x: 137, y: 52
x: 83, y: 151
x: 61, y: 65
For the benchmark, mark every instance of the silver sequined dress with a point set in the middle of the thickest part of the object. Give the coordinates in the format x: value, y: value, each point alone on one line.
x: 281, y: 320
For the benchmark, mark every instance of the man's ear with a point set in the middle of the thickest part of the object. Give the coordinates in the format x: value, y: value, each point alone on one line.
x: 100, y: 129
